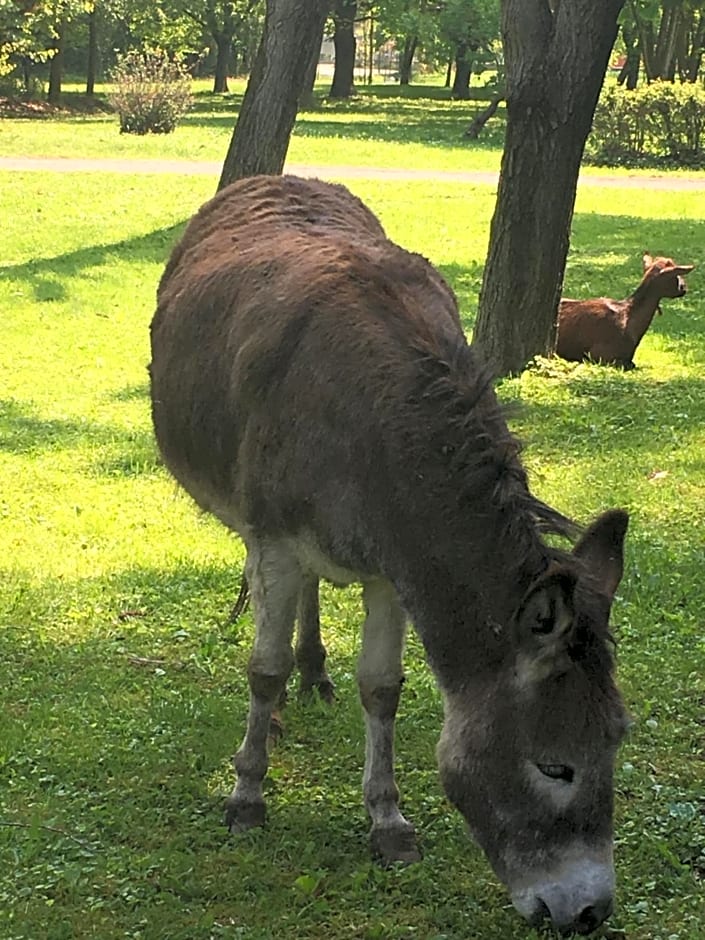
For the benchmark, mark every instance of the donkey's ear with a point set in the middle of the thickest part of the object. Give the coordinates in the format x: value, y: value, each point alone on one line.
x: 543, y: 626
x: 647, y: 260
x: 601, y: 549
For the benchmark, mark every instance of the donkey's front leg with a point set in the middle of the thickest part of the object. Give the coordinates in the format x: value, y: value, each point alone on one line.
x: 380, y: 678
x: 275, y: 579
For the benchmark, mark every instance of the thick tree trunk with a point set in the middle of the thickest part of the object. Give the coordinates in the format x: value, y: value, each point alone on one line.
x: 406, y: 59
x: 292, y: 30
x: 556, y: 55
x: 92, y: 64
x: 343, y: 84
x: 223, y: 56
x: 463, y: 71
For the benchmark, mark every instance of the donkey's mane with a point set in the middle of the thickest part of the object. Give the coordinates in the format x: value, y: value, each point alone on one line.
x: 482, y: 454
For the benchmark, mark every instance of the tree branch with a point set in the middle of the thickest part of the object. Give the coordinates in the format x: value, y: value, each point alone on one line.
x: 61, y: 832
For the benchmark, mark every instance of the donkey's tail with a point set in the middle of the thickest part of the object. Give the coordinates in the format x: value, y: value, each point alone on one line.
x: 243, y: 599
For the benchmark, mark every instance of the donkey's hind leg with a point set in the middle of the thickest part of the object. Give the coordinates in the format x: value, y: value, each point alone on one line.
x: 310, y: 651
x: 275, y: 580
x: 379, y: 676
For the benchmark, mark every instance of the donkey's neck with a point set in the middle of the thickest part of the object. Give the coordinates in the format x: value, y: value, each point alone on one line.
x: 462, y: 599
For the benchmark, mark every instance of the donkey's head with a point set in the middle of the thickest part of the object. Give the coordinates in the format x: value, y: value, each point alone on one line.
x: 666, y: 275
x: 527, y: 754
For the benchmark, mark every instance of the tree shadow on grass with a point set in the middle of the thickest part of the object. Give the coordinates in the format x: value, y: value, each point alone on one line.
x: 44, y: 276
x: 121, y: 452
x: 417, y: 114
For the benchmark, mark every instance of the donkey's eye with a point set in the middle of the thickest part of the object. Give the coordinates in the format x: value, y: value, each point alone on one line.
x: 557, y: 772
x: 543, y: 624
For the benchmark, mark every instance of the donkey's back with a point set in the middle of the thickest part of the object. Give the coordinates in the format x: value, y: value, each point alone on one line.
x: 287, y: 326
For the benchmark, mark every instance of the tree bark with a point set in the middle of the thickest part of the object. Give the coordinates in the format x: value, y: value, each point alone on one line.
x: 292, y: 30
x: 556, y: 55
x: 223, y: 55
x: 449, y: 73
x: 343, y: 84
x: 629, y: 73
x: 406, y: 59
x: 479, y: 121
x: 92, y: 64
x: 56, y: 65
x: 307, y: 99
x: 463, y: 71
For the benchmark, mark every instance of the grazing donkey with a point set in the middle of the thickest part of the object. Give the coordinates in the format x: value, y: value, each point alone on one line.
x: 312, y: 387
x: 609, y: 331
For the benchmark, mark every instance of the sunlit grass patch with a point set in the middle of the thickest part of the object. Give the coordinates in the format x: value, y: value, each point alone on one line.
x: 124, y: 685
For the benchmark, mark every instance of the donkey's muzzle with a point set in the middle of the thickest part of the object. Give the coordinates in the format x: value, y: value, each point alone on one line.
x: 575, y: 900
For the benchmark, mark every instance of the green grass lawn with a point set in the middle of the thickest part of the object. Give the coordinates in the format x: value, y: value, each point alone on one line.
x: 124, y: 688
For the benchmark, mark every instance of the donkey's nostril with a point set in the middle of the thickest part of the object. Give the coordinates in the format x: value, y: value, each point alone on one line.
x: 541, y: 913
x: 590, y: 918
x: 587, y: 921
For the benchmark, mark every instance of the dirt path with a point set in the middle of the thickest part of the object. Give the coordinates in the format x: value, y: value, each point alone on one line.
x: 212, y: 168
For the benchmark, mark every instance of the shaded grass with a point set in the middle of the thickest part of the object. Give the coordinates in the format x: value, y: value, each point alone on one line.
x: 124, y: 689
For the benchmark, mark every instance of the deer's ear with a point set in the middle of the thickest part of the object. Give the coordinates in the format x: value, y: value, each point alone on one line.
x: 543, y: 626
x: 601, y: 549
x: 647, y: 260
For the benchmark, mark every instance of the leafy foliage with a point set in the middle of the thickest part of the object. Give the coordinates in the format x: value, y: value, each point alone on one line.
x: 152, y: 92
x: 658, y: 123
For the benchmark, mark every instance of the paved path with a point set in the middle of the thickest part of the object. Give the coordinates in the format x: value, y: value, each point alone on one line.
x: 211, y: 168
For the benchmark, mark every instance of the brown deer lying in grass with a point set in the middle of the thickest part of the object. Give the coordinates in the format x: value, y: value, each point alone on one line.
x: 609, y: 331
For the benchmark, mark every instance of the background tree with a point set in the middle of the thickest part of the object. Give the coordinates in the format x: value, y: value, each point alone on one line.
x: 343, y: 84
x: 221, y: 21
x: 468, y: 28
x: 556, y: 54
x: 668, y: 36
x: 292, y: 30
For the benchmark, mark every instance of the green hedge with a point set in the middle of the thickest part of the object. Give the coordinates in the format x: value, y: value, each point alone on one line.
x: 658, y: 124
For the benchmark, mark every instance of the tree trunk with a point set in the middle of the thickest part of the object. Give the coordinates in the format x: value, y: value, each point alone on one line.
x: 449, y: 73
x: 56, y: 65
x: 307, y: 99
x: 223, y: 54
x: 92, y: 64
x: 292, y: 30
x: 463, y: 71
x: 479, y: 121
x: 629, y: 73
x: 556, y: 55
x: 343, y: 85
x: 691, y: 45
x: 406, y: 59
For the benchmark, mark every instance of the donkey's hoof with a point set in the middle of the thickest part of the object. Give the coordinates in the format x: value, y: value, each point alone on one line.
x: 395, y: 846
x: 241, y: 816
x: 324, y: 687
x: 326, y: 691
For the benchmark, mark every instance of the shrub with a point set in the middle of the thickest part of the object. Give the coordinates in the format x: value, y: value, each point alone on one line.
x: 151, y: 93
x: 661, y: 123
